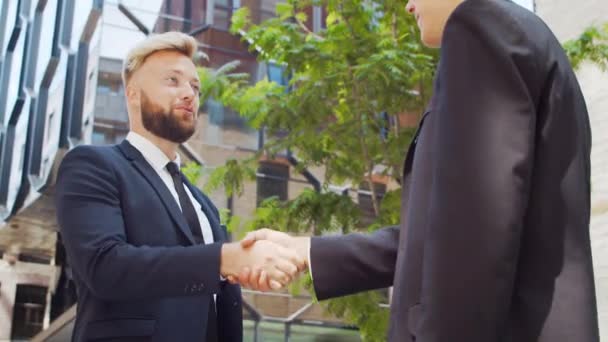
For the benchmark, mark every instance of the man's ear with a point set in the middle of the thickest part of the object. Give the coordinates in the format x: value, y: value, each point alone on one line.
x: 133, y: 95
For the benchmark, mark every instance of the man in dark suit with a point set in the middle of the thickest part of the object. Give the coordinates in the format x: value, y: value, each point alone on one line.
x: 494, y: 239
x: 147, y: 249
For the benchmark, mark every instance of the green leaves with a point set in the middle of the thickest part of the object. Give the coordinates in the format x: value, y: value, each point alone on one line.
x: 192, y: 171
x: 332, y: 18
x: 284, y: 10
x: 222, y: 83
x: 310, y: 212
x: 362, y: 310
x: 240, y: 19
x: 368, y: 60
x: 591, y: 45
x: 231, y: 177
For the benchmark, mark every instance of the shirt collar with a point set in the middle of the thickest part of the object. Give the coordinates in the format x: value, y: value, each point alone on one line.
x: 153, y: 155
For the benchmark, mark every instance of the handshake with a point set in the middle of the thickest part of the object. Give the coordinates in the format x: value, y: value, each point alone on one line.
x: 265, y: 260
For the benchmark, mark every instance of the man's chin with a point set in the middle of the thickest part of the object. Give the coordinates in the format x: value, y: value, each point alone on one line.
x: 181, y: 138
x: 186, y: 134
x: 430, y: 41
x: 177, y: 128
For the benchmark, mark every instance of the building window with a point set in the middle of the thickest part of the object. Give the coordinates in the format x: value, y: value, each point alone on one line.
x: 28, y: 314
x: 33, y: 258
x: 21, y: 158
x: 267, y: 10
x: 108, y: 134
x: 89, y: 86
x: 272, y: 180
x: 221, y: 125
x: 222, y: 13
x: 278, y: 74
x: 49, y: 126
x: 45, y: 165
x: 98, y: 138
x: 318, y: 22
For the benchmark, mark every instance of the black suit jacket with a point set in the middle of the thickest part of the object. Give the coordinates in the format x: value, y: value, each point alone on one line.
x: 138, y: 273
x: 494, y: 236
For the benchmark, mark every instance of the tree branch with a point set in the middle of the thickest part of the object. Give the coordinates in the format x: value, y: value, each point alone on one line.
x: 366, y: 156
x: 307, y: 30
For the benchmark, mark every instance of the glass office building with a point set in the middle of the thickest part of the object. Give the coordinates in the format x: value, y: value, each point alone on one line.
x: 48, y: 75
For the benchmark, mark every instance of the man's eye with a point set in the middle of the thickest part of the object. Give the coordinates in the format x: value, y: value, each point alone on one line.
x: 172, y: 79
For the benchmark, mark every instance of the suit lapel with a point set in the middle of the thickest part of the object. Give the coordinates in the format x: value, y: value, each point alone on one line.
x: 409, y: 158
x: 152, y: 177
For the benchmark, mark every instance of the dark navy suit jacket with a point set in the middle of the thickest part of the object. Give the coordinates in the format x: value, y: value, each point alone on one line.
x: 138, y: 272
x: 494, y: 243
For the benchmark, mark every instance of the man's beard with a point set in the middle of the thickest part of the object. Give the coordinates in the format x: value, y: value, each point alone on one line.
x: 164, y: 123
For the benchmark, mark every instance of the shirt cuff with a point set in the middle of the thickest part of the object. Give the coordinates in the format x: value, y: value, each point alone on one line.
x: 310, y: 260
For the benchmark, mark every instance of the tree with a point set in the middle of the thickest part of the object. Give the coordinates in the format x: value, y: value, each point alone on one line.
x: 348, y: 86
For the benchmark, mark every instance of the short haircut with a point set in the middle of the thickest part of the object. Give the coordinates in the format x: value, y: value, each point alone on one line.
x: 172, y: 41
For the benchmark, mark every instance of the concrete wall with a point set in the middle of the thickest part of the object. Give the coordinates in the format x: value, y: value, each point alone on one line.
x: 568, y: 19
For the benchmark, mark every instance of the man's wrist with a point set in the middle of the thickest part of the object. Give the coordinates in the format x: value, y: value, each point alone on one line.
x: 229, y: 259
x: 302, y: 247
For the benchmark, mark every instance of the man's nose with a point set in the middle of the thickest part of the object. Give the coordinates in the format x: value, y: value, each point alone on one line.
x: 188, y: 92
x: 410, y: 7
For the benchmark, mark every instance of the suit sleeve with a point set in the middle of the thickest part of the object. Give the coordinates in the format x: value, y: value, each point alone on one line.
x: 481, y: 181
x: 90, y: 218
x: 347, y: 264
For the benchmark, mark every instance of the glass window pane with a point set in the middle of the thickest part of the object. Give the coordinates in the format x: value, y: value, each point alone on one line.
x: 223, y: 3
x: 28, y: 313
x: 221, y: 18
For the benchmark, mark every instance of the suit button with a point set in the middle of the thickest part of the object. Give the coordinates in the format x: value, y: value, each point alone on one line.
x: 235, y: 304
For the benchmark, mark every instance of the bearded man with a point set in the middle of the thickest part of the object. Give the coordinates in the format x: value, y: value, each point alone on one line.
x: 148, y: 253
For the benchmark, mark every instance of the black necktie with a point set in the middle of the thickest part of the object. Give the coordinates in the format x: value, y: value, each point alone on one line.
x: 195, y: 227
x: 185, y: 202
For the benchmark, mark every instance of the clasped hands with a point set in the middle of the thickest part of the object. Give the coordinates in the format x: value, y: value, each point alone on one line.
x: 265, y: 260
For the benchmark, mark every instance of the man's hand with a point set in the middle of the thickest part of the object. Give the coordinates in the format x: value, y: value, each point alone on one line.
x: 280, y: 238
x: 277, y: 266
x: 255, y: 278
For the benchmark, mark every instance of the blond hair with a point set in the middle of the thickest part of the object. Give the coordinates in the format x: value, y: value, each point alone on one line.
x: 175, y: 41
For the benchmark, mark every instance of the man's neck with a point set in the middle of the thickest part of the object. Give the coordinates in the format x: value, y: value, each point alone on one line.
x: 169, y: 148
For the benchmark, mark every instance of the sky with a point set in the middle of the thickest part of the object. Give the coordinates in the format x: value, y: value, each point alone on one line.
x: 119, y: 34
x: 529, y: 4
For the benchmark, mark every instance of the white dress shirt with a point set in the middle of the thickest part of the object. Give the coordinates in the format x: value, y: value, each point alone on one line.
x: 158, y: 160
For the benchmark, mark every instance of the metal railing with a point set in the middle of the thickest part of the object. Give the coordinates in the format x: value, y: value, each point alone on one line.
x: 289, y: 321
